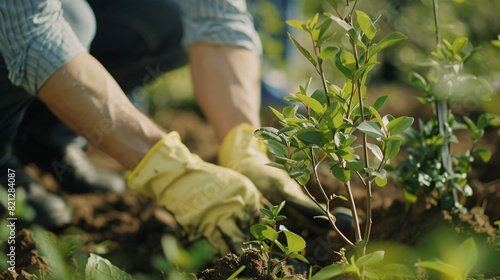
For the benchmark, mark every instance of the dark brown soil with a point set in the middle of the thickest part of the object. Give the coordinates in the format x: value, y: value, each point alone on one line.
x: 29, y: 264
x: 227, y: 265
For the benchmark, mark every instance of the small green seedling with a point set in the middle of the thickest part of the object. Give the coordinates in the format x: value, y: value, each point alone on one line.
x: 267, y: 234
x: 431, y: 166
x: 367, y: 267
x: 456, y: 264
x: 336, y: 116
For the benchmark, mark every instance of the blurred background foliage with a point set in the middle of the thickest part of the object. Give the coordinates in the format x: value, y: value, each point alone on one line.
x: 284, y: 68
x: 477, y: 20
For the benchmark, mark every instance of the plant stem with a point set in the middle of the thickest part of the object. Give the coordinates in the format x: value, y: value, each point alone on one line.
x: 325, y: 87
x: 442, y: 112
x: 357, y: 229
x: 269, y: 258
x: 332, y: 223
x: 325, y: 196
x: 436, y: 22
x: 365, y: 151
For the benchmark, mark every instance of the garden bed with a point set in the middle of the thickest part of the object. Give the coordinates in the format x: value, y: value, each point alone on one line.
x: 127, y: 228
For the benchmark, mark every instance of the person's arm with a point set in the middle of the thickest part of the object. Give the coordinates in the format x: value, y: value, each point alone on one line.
x: 89, y: 101
x: 45, y: 57
x: 224, y: 55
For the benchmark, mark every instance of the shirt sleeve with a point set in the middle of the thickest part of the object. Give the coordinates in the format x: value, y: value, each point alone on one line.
x: 224, y: 22
x: 35, y: 41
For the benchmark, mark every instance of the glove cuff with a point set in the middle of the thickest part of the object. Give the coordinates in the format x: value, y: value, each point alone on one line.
x: 169, y: 137
x: 240, y: 145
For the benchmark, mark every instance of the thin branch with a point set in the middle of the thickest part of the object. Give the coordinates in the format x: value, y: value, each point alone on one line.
x: 328, y: 214
x: 357, y: 228
x: 436, y: 22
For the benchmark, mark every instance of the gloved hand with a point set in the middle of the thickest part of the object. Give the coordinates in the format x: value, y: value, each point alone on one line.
x: 208, y: 201
x: 246, y: 154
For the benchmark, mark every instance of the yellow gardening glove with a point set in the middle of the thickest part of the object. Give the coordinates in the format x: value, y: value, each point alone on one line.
x: 208, y: 201
x: 246, y: 154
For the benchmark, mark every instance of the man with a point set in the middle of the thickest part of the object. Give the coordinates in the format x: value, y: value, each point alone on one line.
x: 44, y: 56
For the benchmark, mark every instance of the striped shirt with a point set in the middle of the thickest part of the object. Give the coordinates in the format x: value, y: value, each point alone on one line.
x: 36, y: 40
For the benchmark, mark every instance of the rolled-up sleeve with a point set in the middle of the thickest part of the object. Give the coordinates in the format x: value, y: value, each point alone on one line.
x: 35, y: 41
x: 224, y: 22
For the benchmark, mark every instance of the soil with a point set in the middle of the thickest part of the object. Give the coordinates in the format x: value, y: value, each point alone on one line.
x: 127, y: 228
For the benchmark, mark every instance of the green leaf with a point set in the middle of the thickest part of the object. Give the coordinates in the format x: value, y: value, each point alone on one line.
x: 341, y: 174
x: 370, y: 128
x: 100, y: 268
x: 312, y: 103
x: 329, y: 272
x: 332, y: 119
x: 444, y: 268
x: 483, y: 153
x: 277, y: 113
x: 364, y: 69
x: 366, y: 25
x: 295, y: 243
x: 310, y: 137
x: 399, y: 125
x: 320, y: 96
x: 340, y: 22
x: 270, y: 233
x: 470, y: 123
x: 318, y: 36
x: 284, y: 130
x: 459, y: 44
x: 297, y: 24
x: 393, y: 137
x: 382, y: 174
x: 347, y: 59
x: 377, y: 116
x: 386, y: 42
x: 424, y: 99
x: 267, y: 212
x: 298, y: 256
x: 380, y: 101
x: 262, y: 232
x: 289, y: 111
x: 355, y: 165
x: 380, y: 182
x: 276, y: 165
x: 344, y: 70
x: 392, y: 148
x: 495, y: 43
x: 418, y: 81
x: 275, y: 148
x: 314, y: 21
x: 303, y: 50
x: 353, y: 269
x: 328, y: 52
x: 268, y: 133
x: 466, y: 255
x: 484, y: 120
x: 334, y: 4
x: 277, y: 208
x: 282, y: 248
x: 376, y: 151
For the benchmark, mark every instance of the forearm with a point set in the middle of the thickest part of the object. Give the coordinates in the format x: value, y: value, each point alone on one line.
x: 227, y: 85
x: 89, y: 101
